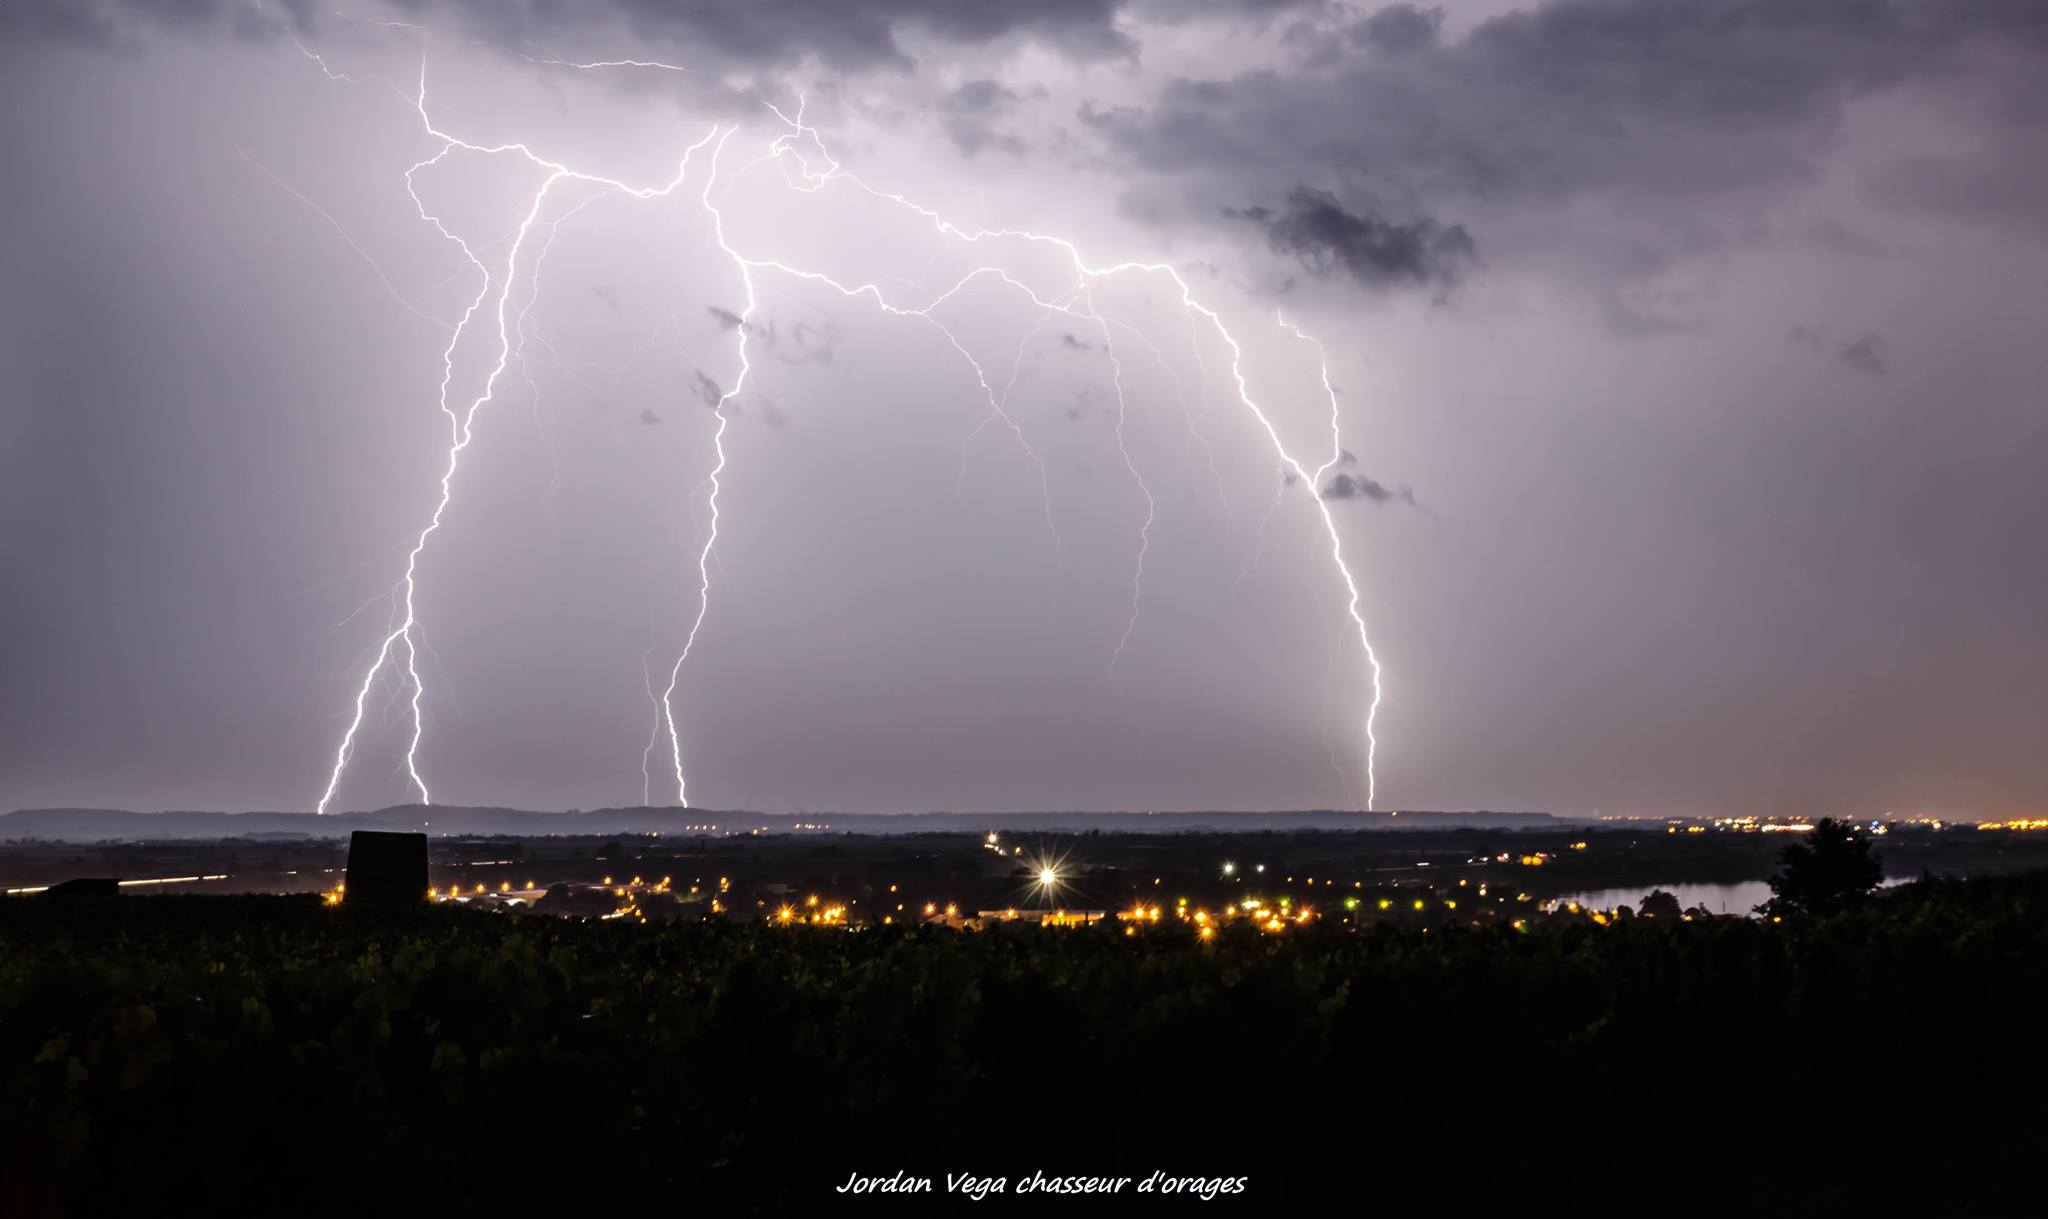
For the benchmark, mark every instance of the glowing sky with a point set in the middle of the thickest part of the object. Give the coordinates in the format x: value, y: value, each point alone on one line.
x: 1691, y: 362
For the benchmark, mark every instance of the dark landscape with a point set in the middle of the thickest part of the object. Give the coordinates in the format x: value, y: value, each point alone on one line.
x: 745, y: 1021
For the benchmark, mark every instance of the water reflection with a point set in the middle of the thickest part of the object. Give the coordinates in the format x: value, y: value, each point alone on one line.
x: 1742, y: 898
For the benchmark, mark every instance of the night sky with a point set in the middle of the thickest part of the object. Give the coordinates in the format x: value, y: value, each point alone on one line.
x: 1690, y: 362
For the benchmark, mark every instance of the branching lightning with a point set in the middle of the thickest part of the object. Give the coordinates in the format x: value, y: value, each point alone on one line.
x: 1000, y: 410
x: 462, y: 424
x: 1329, y: 392
x: 806, y: 167
x: 668, y: 713
x: 606, y: 63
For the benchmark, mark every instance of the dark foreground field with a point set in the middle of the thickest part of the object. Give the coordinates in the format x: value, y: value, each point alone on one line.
x: 273, y: 1056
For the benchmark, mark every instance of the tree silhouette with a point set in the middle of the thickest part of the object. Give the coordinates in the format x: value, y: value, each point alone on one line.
x: 1661, y: 903
x: 1828, y: 870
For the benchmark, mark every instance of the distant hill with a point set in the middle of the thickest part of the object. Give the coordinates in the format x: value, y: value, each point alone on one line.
x: 102, y: 825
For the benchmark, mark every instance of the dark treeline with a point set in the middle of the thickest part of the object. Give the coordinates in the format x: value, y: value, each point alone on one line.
x: 271, y: 1055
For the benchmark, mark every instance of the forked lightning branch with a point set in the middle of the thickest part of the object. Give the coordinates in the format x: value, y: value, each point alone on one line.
x: 705, y: 168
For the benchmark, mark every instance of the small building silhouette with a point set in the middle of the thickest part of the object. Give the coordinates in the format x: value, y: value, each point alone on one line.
x: 385, y: 869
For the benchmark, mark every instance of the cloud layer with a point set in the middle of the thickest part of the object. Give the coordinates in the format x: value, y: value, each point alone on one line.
x: 1614, y: 136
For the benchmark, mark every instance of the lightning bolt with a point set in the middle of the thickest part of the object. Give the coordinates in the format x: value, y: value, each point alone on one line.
x: 1123, y: 448
x: 462, y: 424
x: 668, y: 712
x: 1001, y: 411
x: 788, y: 150
x: 814, y: 181
x: 1329, y: 392
x: 525, y: 328
x: 1189, y: 421
x: 1336, y: 458
x: 461, y: 432
x: 606, y: 63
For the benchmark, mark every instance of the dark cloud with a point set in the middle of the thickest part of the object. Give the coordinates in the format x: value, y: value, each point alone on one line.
x: 55, y: 20
x: 1399, y: 27
x: 980, y: 97
x: 1353, y: 486
x: 1316, y: 229
x: 802, y: 343
x: 1865, y: 355
x: 2002, y: 179
x: 708, y: 390
x: 1073, y: 342
x: 970, y: 115
x: 808, y: 344
x: 1833, y: 236
x: 1617, y: 136
x: 120, y: 23
x: 648, y: 416
x: 843, y: 34
x: 1358, y: 486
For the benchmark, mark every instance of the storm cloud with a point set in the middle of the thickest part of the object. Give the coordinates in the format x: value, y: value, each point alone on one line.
x: 972, y: 114
x: 709, y: 390
x: 1316, y: 229
x: 1612, y: 138
x: 1864, y: 355
x: 1359, y: 487
x: 844, y: 34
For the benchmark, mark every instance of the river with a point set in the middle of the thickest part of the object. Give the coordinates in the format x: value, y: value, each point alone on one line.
x: 1742, y: 898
